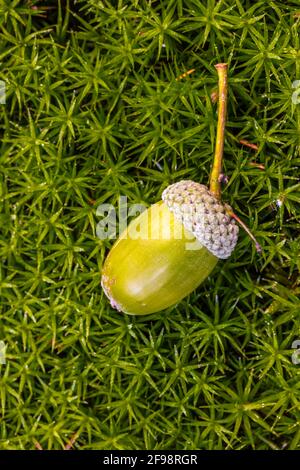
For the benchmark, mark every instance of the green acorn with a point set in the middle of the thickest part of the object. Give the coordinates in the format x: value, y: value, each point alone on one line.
x: 144, y: 274
x: 166, y: 252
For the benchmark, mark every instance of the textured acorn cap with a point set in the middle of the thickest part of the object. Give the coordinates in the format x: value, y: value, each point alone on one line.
x: 204, y: 215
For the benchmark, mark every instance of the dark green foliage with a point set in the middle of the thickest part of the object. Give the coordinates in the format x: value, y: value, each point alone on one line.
x: 94, y: 111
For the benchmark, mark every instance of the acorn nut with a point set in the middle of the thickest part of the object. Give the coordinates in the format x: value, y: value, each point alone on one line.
x: 178, y: 244
x: 169, y: 249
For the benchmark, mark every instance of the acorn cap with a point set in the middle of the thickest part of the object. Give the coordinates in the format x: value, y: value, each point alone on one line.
x: 204, y: 215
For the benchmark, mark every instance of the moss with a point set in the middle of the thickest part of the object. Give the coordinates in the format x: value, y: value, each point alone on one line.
x: 93, y: 111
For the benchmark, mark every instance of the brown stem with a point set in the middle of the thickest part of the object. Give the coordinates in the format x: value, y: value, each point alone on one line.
x: 216, y: 176
x: 235, y: 217
x: 214, y: 184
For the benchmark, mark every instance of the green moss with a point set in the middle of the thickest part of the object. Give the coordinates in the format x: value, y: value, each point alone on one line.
x: 93, y: 111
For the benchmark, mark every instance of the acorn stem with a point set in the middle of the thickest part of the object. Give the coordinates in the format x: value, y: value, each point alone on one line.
x: 215, y: 183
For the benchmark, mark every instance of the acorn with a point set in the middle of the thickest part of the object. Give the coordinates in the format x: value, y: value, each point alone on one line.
x: 144, y: 274
x: 170, y: 249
